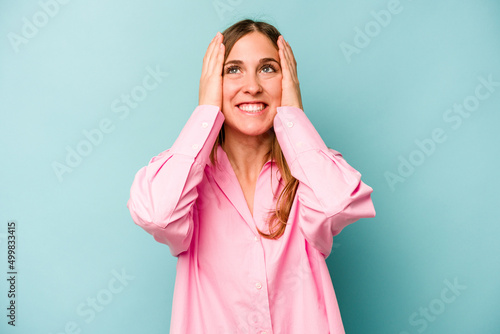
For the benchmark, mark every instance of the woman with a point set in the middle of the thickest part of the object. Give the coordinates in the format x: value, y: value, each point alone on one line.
x: 249, y: 197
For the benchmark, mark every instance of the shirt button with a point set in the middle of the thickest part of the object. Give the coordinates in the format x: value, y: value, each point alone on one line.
x: 256, y: 238
x: 204, y: 124
x: 258, y: 285
x: 289, y: 124
x: 194, y: 147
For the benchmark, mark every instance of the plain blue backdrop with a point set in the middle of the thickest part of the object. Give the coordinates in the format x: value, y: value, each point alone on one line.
x: 408, y: 91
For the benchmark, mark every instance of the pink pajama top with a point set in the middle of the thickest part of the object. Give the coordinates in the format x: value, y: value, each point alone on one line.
x: 230, y: 279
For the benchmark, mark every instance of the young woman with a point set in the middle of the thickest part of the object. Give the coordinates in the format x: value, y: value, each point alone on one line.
x: 249, y: 197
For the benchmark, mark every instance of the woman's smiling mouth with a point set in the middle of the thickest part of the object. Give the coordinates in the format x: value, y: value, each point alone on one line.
x: 252, y: 108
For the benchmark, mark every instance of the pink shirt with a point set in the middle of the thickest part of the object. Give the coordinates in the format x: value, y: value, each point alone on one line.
x: 230, y: 279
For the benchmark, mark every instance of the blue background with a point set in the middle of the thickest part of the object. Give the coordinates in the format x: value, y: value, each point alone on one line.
x: 438, y: 227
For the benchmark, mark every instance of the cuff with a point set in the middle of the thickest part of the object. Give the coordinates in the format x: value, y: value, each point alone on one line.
x: 295, y: 133
x: 199, y: 133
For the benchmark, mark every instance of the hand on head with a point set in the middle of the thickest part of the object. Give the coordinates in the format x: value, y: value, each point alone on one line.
x: 290, y: 83
x: 210, y: 91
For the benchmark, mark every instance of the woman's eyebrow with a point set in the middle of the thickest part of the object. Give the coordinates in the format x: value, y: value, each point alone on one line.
x: 240, y: 62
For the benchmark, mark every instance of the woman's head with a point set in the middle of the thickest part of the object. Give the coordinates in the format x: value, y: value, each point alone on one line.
x: 255, y: 44
x: 241, y: 28
x: 251, y: 77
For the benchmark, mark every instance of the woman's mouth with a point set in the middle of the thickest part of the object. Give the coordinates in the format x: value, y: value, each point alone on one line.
x: 252, y: 108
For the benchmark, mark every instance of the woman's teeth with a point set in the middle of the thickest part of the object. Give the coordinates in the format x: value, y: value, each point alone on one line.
x: 252, y: 107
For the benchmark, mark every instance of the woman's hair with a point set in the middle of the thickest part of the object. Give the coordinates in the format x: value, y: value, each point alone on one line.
x: 279, y: 217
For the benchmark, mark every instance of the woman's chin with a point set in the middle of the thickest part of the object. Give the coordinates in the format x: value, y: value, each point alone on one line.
x: 251, y: 130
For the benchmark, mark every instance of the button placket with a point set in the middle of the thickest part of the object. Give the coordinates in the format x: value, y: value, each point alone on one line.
x: 261, y: 302
x: 258, y: 280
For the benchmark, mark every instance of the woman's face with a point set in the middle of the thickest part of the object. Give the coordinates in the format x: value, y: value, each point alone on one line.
x: 251, y: 89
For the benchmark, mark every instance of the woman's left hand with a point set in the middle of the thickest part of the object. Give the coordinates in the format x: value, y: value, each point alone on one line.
x: 290, y: 89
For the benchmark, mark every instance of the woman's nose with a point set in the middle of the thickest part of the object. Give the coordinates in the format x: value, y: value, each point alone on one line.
x: 251, y: 84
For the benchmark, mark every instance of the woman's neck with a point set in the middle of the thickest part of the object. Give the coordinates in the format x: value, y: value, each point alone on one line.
x: 247, y: 154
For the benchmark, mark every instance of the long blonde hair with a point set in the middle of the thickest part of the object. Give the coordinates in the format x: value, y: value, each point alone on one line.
x: 279, y: 217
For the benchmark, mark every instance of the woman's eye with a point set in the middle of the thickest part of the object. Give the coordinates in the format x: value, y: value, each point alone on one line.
x: 231, y: 69
x: 268, y: 69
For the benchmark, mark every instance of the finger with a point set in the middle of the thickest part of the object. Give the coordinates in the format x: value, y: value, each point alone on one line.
x: 286, y: 51
x: 288, y: 65
x: 288, y: 54
x: 210, y: 50
x: 206, y: 58
x: 281, y: 52
x: 292, y: 56
x: 214, y: 55
x: 291, y: 63
x: 220, y: 59
x: 284, y: 71
x: 217, y: 59
x: 209, y: 54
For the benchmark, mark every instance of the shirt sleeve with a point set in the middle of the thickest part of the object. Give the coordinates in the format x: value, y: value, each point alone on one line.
x: 163, y: 192
x: 330, y: 194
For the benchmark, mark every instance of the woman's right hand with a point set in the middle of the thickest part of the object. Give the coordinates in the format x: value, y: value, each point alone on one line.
x: 211, y: 73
